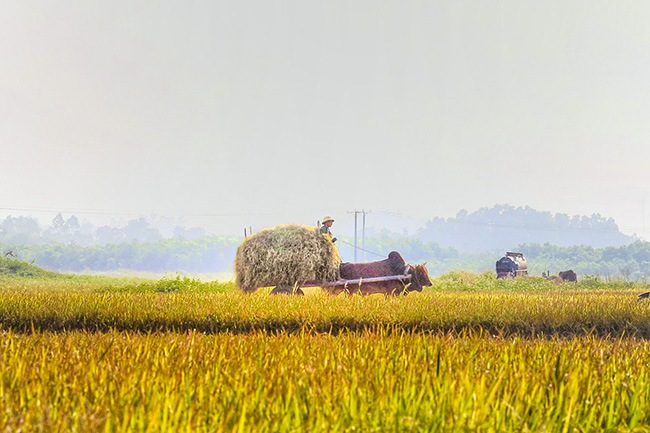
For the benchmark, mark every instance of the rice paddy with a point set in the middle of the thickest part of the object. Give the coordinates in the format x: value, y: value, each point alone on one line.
x: 470, y: 354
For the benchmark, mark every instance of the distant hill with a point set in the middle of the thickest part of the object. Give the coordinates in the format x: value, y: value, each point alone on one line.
x: 502, y: 227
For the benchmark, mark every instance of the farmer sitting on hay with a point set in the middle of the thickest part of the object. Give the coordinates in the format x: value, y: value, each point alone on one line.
x: 325, y: 228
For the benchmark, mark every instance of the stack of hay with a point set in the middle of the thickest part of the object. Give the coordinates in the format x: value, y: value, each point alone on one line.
x: 283, y: 256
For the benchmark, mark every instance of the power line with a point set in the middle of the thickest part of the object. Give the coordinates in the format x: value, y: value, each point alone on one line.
x: 544, y: 227
x: 101, y: 212
x: 105, y: 212
x: 362, y: 249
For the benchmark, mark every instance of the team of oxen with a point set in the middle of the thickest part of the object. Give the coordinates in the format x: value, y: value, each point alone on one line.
x: 405, y: 278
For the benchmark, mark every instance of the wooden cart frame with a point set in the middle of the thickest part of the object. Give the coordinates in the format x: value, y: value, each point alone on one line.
x: 329, y: 286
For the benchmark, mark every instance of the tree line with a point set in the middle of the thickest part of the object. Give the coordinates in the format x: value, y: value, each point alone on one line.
x: 70, y: 245
x: 216, y: 254
x: 27, y: 230
x: 206, y: 254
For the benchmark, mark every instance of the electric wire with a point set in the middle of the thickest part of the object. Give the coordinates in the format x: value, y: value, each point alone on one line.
x: 361, y: 249
x: 488, y: 224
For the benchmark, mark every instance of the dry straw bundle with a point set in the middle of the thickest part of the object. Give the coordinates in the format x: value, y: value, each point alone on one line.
x: 283, y: 256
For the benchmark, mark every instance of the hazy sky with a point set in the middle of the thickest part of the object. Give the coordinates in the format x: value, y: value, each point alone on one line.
x: 242, y: 113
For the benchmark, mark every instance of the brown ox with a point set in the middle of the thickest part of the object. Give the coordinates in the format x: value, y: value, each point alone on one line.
x: 393, y: 265
x: 569, y: 276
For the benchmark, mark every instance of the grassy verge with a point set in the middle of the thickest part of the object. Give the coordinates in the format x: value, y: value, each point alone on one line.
x: 37, y: 281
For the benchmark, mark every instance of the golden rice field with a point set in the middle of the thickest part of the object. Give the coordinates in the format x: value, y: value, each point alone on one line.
x: 471, y: 354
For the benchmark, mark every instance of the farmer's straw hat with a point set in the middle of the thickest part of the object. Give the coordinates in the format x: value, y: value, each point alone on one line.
x: 327, y: 218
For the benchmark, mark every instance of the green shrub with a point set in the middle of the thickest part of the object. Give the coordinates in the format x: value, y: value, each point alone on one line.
x: 23, y: 269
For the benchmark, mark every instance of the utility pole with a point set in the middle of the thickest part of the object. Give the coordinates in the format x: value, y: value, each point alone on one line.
x: 363, y: 233
x: 355, y: 236
x: 363, y: 238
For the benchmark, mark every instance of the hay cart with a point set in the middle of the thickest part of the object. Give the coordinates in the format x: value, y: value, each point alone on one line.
x: 292, y: 256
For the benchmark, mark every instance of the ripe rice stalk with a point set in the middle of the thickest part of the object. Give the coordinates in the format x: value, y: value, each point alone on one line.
x: 285, y: 255
x: 364, y: 381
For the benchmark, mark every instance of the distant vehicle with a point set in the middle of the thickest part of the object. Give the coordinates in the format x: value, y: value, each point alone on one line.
x: 512, y: 265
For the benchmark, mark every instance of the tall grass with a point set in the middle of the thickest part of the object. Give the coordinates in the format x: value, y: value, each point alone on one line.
x: 372, y: 381
x: 177, y: 354
x: 524, y: 313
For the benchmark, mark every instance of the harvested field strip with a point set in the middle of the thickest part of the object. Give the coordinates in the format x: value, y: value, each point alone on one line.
x: 597, y: 312
x: 121, y: 381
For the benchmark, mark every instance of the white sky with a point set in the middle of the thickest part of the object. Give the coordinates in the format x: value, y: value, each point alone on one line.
x: 260, y: 112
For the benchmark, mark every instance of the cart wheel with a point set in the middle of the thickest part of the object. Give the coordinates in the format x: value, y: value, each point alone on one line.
x: 287, y: 290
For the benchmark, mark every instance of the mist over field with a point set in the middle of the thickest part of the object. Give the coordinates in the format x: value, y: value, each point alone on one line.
x: 469, y: 241
x: 235, y: 114
x: 149, y: 136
